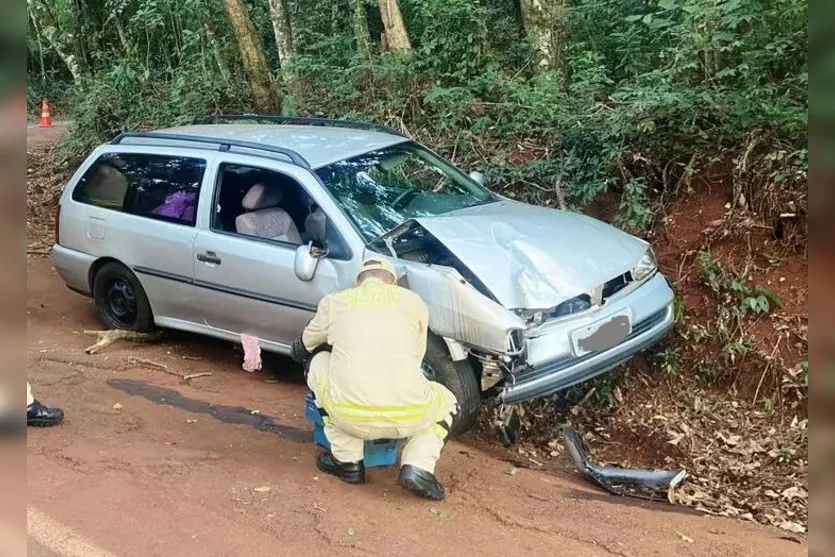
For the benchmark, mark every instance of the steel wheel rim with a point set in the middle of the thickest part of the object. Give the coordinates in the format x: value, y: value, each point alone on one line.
x: 428, y: 371
x: 120, y: 303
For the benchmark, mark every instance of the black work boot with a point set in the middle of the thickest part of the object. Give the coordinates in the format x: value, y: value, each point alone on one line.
x: 351, y: 472
x: 40, y: 416
x: 420, y: 482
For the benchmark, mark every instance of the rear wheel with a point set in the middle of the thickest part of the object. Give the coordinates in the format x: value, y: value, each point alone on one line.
x: 458, y: 377
x: 120, y: 300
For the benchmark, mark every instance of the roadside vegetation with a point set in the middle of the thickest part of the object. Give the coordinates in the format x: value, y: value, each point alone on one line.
x: 683, y: 121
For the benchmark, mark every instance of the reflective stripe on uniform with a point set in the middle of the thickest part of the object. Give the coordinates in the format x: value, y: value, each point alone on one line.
x: 388, y: 413
x: 439, y: 430
x: 369, y: 413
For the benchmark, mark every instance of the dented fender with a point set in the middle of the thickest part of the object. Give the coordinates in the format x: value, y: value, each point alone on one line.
x: 458, y: 311
x: 457, y: 351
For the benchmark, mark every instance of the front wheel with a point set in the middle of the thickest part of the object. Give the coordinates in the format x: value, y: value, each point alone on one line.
x: 458, y: 377
x: 121, y: 301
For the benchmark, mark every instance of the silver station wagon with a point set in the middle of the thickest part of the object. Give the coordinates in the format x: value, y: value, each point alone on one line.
x: 241, y: 224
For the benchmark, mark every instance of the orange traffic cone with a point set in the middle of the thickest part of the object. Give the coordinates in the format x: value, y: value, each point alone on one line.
x: 46, y: 117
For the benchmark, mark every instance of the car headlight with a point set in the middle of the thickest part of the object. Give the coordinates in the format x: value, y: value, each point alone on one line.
x: 646, y: 266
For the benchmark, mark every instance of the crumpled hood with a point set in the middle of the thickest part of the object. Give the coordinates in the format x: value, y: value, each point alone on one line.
x: 533, y: 257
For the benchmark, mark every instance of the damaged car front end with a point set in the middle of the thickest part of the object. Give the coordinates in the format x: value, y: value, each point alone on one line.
x: 533, y: 300
x: 542, y: 300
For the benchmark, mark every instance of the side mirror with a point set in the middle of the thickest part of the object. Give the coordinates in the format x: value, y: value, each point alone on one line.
x: 306, y: 261
x: 477, y: 177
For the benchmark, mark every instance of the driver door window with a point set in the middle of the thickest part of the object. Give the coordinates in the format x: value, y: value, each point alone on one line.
x: 270, y: 206
x: 244, y: 264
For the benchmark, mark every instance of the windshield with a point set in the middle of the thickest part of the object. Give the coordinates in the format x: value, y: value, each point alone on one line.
x: 382, y: 189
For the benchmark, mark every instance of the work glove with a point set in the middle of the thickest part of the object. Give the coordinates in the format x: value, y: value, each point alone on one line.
x: 299, y: 352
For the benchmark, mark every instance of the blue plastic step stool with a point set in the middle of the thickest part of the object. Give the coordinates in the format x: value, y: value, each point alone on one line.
x: 380, y: 452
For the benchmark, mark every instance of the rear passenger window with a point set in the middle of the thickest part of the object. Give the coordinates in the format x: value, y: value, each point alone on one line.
x: 154, y: 186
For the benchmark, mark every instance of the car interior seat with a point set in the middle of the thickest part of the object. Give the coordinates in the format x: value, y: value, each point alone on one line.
x: 315, y: 226
x: 264, y: 218
x: 109, y: 186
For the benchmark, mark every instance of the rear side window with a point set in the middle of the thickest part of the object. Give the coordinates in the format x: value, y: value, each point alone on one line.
x: 154, y: 186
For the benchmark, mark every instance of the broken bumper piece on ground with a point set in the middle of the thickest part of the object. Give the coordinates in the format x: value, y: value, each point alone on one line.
x: 655, y: 485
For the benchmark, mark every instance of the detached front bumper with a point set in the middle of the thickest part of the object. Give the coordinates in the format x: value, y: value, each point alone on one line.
x: 653, y: 305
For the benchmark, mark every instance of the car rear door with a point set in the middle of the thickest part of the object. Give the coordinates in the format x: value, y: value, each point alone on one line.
x: 137, y: 205
x: 248, y: 285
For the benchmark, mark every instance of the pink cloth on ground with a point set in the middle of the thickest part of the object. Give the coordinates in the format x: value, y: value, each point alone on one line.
x: 252, y: 353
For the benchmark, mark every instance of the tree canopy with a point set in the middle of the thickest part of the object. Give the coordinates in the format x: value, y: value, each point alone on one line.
x: 568, y: 97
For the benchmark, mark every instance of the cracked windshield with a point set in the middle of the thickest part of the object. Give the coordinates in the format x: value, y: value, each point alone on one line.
x: 382, y: 189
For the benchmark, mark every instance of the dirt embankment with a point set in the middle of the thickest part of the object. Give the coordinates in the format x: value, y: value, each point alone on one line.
x: 725, y: 397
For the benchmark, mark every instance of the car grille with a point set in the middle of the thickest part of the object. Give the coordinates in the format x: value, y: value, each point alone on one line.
x: 615, y: 285
x: 583, y: 302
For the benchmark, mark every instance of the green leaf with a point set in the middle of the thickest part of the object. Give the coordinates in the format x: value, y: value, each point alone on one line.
x: 771, y: 295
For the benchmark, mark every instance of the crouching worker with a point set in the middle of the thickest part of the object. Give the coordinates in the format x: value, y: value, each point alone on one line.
x: 363, y: 351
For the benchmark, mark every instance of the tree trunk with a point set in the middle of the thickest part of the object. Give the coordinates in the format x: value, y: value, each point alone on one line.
x: 221, y: 63
x: 252, y: 54
x: 123, y: 38
x: 40, y: 49
x: 544, y: 23
x: 396, y: 35
x: 280, y: 17
x: 361, y: 33
x: 54, y: 38
x: 536, y: 18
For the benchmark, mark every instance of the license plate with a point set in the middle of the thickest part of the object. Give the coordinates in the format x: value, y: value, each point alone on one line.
x: 602, y: 335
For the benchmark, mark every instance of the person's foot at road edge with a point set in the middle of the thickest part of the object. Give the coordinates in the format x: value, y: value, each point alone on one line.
x: 420, y: 482
x: 39, y: 415
x: 351, y: 472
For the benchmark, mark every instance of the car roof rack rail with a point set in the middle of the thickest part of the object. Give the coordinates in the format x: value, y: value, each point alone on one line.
x: 224, y: 144
x: 299, y: 120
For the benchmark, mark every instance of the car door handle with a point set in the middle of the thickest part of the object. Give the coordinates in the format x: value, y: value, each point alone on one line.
x: 209, y: 257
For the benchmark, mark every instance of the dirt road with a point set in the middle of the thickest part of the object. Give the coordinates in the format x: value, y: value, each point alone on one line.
x: 36, y: 135
x: 147, y: 464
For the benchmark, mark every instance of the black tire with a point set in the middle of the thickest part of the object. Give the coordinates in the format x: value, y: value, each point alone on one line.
x: 120, y: 300
x: 458, y: 377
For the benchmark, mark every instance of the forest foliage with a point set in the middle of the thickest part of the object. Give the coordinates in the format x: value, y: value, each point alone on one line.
x: 555, y: 100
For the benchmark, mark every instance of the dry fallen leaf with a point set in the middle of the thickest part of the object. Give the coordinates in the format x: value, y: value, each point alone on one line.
x: 792, y: 527
x: 729, y: 440
x: 794, y: 492
x: 440, y: 513
x: 675, y: 437
x: 262, y: 489
x: 685, y: 537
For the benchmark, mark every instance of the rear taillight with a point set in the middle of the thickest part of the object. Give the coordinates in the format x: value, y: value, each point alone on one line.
x: 58, y: 223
